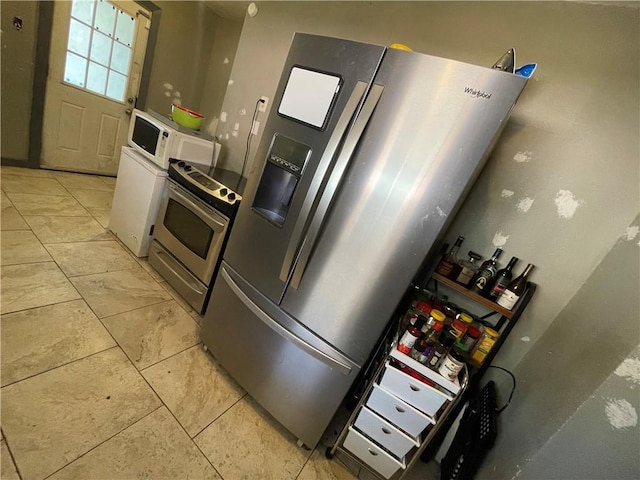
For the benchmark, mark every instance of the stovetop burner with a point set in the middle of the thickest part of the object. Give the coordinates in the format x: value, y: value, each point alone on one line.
x: 220, y: 196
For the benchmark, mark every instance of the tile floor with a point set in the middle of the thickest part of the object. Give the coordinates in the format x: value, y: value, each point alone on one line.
x: 103, y: 374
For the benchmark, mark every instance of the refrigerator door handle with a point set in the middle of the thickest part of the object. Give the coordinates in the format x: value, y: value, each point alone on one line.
x: 321, y: 172
x: 353, y: 138
x: 280, y: 330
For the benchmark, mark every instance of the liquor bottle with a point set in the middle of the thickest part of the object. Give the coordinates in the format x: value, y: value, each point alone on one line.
x: 449, y: 263
x: 502, y: 280
x: 430, y: 340
x: 468, y: 268
x: 440, y: 349
x: 515, y: 289
x: 411, y: 334
x: 482, y: 281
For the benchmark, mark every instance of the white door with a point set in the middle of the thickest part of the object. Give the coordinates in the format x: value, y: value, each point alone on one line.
x: 95, y: 65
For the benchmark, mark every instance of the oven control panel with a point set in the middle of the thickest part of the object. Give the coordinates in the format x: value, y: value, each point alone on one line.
x: 204, y: 187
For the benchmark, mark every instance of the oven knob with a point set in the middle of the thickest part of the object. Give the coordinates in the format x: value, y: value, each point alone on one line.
x: 181, y: 164
x: 223, y: 192
x: 187, y: 168
x: 231, y: 196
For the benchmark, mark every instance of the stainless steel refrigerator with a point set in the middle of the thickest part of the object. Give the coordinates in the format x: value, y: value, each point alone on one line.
x: 366, y: 154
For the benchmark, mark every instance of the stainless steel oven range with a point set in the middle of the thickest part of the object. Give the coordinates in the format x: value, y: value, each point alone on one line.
x: 192, y: 228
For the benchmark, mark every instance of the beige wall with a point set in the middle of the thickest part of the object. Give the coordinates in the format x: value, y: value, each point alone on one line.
x: 18, y: 57
x: 219, y: 70
x: 183, y: 51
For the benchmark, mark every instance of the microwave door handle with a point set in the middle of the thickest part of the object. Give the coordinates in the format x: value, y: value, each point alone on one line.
x: 334, y: 182
x: 316, y: 183
x: 208, y: 217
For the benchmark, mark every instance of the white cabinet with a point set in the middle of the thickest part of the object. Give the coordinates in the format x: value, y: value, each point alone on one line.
x: 402, y: 408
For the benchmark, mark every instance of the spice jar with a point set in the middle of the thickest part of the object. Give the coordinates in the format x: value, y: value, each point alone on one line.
x: 483, y: 346
x: 451, y: 365
x: 470, y: 337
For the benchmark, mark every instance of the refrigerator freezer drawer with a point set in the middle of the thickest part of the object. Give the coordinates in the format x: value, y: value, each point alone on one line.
x: 371, y: 454
x: 425, y: 398
x: 398, y: 412
x: 301, y: 384
x: 384, y: 433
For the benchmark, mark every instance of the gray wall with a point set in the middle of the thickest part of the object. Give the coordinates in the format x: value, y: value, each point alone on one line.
x: 560, y: 190
x: 183, y: 50
x: 18, y: 57
x: 219, y: 70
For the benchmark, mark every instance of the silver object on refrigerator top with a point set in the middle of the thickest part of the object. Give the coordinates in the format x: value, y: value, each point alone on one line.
x: 347, y: 196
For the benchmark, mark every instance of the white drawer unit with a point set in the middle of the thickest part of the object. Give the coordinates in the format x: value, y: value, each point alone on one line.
x: 371, y: 454
x: 397, y: 416
x: 383, y: 432
x: 425, y: 398
x: 400, y: 413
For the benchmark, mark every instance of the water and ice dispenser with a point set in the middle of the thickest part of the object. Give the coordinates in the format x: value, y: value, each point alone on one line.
x: 285, y: 163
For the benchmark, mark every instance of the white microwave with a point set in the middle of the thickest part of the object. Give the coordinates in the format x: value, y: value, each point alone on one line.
x: 158, y: 139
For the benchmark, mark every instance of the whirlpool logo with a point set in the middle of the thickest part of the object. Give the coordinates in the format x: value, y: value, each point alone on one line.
x: 477, y: 93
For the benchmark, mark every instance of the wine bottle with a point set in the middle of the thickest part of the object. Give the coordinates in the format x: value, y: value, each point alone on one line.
x: 482, y: 281
x: 502, y: 280
x: 449, y: 262
x: 515, y: 289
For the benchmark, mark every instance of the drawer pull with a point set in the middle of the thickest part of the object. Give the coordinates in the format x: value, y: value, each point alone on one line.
x: 372, y: 452
x: 399, y: 409
x: 414, y: 388
x: 386, y: 431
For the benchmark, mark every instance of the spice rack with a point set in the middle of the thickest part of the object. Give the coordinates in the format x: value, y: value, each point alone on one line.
x: 504, y: 325
x: 398, y: 415
x: 507, y: 320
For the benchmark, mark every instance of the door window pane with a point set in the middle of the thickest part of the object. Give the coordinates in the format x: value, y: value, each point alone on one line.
x: 75, y: 69
x: 125, y: 27
x: 79, y: 36
x: 105, y: 17
x: 99, y: 48
x: 117, y: 86
x: 120, y: 59
x: 83, y: 10
x: 97, y: 78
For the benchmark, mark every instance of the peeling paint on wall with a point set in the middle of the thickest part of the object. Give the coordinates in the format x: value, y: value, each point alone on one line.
x: 167, y: 94
x: 500, y: 239
x: 631, y: 233
x: 226, y: 136
x: 230, y: 82
x: 567, y: 204
x: 507, y: 193
x: 226, y: 60
x: 223, y: 117
x: 522, y: 157
x: 177, y: 94
x: 440, y: 212
x: 176, y: 101
x: 236, y: 126
x: 168, y: 86
x: 234, y: 133
x: 524, y: 204
x: 621, y: 414
x: 243, y: 111
x: 629, y: 369
x: 525, y: 339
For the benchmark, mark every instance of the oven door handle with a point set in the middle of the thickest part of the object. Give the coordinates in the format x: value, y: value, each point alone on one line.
x: 189, y: 283
x: 209, y: 217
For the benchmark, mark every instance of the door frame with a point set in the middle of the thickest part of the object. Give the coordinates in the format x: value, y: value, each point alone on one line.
x: 43, y: 46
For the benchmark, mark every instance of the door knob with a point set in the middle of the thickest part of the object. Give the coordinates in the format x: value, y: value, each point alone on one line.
x: 128, y: 111
x: 131, y: 100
